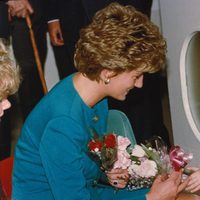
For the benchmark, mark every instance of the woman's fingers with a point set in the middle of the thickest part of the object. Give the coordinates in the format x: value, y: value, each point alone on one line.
x: 118, y: 183
x: 117, y: 171
x: 118, y: 177
x: 194, y: 169
x: 182, y: 186
x: 124, y: 177
x: 193, y: 186
x: 176, y: 177
x: 118, y: 174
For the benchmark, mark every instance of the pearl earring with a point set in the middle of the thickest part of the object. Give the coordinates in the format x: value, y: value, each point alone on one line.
x: 107, y: 81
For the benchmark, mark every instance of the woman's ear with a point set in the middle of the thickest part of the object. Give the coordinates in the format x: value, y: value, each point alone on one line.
x: 106, y: 74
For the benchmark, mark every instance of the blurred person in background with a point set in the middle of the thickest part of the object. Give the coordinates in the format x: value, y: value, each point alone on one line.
x: 30, y: 91
x: 9, y: 84
x: 13, y: 23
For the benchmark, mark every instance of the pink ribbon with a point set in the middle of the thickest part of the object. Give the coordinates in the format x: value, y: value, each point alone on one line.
x: 178, y: 158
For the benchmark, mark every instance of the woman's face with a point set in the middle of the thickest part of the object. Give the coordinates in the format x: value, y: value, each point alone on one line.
x: 121, y: 84
x: 4, y: 105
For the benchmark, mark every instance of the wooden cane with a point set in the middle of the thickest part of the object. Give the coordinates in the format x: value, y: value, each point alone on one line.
x: 36, y: 54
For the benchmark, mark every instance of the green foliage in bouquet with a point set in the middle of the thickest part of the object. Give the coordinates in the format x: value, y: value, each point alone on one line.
x: 108, y: 157
x: 154, y: 155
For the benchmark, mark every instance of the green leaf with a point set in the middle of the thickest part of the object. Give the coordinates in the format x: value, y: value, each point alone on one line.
x: 108, y: 157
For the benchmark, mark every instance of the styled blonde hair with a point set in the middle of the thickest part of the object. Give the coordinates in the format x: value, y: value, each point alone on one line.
x: 119, y: 38
x: 9, y: 73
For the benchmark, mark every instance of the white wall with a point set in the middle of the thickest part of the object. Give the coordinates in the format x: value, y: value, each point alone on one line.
x: 179, y: 18
x: 155, y: 13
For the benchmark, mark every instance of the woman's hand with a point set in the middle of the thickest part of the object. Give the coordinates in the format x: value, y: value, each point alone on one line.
x: 118, y: 177
x: 193, y: 180
x: 167, y: 188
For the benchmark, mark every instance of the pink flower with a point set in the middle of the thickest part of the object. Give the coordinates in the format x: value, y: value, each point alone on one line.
x: 123, y: 157
x: 123, y: 160
x: 123, y: 142
x: 147, y: 168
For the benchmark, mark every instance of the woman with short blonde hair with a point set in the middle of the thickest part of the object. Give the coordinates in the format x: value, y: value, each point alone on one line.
x: 9, y: 77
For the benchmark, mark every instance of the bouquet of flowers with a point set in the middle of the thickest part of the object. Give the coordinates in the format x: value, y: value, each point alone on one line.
x: 104, y: 151
x: 143, y: 162
x: 152, y: 159
x: 110, y: 151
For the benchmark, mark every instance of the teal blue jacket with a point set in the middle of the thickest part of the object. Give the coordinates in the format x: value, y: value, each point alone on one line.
x: 51, y: 156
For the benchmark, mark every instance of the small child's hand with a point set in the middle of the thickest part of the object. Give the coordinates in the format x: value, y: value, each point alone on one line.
x: 193, y: 180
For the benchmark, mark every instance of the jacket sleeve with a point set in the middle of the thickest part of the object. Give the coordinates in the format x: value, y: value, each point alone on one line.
x: 4, y: 23
x: 52, y: 11
x: 60, y: 151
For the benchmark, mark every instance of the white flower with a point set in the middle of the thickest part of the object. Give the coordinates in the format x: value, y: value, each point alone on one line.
x: 138, y: 151
x: 147, y: 168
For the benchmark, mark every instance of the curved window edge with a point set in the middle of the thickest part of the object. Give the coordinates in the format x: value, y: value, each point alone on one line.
x: 184, y: 86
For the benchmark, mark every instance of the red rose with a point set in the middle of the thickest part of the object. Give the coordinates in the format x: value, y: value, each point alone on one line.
x: 95, y: 145
x: 110, y: 141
